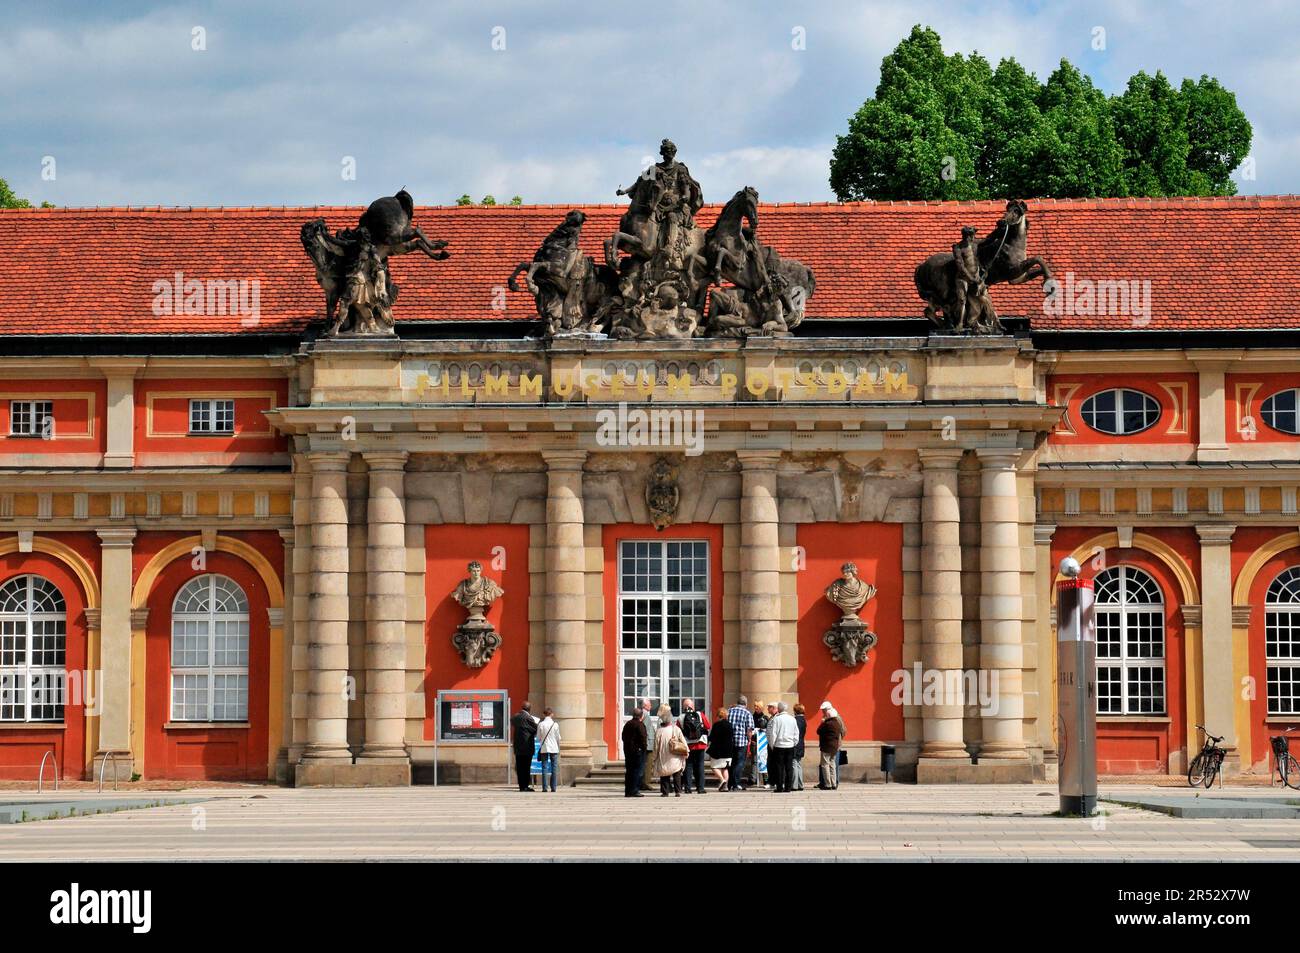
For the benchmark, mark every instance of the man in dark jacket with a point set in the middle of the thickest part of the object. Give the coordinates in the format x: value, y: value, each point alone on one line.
x: 523, y: 728
x: 635, y: 746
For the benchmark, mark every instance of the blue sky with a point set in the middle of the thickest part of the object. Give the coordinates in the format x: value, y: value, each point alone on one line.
x: 572, y: 107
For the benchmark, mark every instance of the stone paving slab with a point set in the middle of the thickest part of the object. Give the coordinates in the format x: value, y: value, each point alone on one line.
x: 1191, y: 806
x: 857, y: 823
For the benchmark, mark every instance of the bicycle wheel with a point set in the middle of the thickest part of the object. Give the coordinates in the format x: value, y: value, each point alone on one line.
x: 1290, y: 770
x: 1213, y: 765
x: 1196, y: 770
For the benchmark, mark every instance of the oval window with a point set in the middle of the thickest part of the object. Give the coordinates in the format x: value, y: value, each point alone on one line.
x: 1281, y: 411
x: 1120, y: 411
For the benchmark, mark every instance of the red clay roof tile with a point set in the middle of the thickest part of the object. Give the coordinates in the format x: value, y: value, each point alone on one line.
x: 1216, y: 264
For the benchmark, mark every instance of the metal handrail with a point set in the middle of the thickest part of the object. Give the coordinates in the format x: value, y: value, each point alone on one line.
x: 40, y: 778
x: 104, y: 761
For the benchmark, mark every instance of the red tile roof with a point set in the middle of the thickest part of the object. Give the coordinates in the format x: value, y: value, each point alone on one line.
x: 1215, y: 264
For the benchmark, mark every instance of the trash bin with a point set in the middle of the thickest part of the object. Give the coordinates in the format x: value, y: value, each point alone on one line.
x: 886, y: 761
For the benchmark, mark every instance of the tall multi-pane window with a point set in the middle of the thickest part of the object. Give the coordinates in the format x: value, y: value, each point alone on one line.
x: 663, y: 610
x: 33, y: 646
x: 210, y: 651
x: 1130, y: 615
x: 30, y: 418
x: 1282, y: 642
x: 212, y: 416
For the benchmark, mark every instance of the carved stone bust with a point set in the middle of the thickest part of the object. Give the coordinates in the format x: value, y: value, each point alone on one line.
x: 849, y: 592
x: 477, y: 593
x: 850, y: 639
x: 475, y: 638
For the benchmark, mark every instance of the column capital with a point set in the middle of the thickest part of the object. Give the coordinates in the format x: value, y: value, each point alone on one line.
x: 288, y: 536
x: 1241, y: 617
x: 758, y: 459
x: 329, y: 460
x: 564, y: 459
x: 1192, y: 615
x: 93, y: 618
x: 386, y: 459
x: 1215, y: 534
x: 139, y: 619
x: 116, y: 538
x: 999, y: 457
x: 1043, y: 533
x: 940, y: 458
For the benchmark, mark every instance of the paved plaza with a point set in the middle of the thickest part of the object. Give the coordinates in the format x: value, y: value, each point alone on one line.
x: 894, y: 822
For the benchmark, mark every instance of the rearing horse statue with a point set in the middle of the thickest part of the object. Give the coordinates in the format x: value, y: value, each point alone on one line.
x: 730, y: 249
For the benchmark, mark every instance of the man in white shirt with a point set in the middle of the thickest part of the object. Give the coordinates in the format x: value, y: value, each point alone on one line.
x: 782, y: 737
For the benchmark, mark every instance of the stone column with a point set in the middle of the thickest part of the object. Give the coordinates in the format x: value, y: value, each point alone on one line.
x: 1001, y: 652
x: 760, y: 576
x: 327, y: 640
x: 1044, y: 579
x: 941, y: 608
x: 1216, y: 637
x: 286, y: 637
x: 385, y: 702
x: 565, y: 603
x: 115, y: 648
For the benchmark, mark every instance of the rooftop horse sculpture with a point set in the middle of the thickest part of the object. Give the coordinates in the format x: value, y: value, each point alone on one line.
x: 1001, y: 258
x: 352, y: 264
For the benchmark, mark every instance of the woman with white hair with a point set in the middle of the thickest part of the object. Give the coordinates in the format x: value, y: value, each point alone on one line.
x: 671, y: 750
x: 829, y: 734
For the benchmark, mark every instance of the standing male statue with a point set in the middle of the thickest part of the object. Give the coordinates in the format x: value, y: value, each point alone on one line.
x: 673, y: 197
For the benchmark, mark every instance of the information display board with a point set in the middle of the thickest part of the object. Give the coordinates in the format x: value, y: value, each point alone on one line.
x: 473, y: 717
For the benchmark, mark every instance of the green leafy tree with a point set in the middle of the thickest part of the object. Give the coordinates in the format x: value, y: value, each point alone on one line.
x: 9, y: 200
x: 951, y: 127
x: 465, y: 200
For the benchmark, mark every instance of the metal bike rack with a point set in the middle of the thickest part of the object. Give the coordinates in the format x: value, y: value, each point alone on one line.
x: 40, y: 778
x: 108, y: 755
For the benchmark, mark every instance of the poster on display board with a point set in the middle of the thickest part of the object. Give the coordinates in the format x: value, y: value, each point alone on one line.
x: 473, y: 717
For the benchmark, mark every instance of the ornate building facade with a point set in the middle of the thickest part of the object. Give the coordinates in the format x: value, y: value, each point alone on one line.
x: 231, y: 541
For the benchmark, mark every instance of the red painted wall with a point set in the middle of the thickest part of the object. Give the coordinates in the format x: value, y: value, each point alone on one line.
x: 1244, y: 542
x: 79, y: 421
x: 861, y: 695
x: 216, y: 753
x: 1244, y: 393
x: 610, y: 537
x: 449, y: 548
x: 1178, y: 423
x: 1138, y: 747
x: 21, y: 749
x: 171, y: 415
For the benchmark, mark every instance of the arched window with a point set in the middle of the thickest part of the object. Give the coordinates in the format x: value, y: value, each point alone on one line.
x: 1120, y: 411
x: 1130, y: 615
x: 210, y: 651
x: 33, y: 643
x: 1282, y: 642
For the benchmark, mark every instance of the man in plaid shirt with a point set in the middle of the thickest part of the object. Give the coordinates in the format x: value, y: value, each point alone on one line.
x: 742, y: 726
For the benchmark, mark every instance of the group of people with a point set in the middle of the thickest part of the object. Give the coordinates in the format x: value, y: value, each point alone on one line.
x: 526, y: 728
x: 679, y: 747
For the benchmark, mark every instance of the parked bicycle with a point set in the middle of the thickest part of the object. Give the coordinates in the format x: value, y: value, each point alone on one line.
x: 1288, y: 769
x: 1207, y: 764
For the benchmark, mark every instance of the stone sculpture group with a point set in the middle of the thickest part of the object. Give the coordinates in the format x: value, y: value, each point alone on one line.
x: 663, y: 276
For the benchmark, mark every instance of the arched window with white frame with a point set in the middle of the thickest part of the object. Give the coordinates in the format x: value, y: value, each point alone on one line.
x: 210, y: 651
x: 1130, y: 616
x: 33, y: 647
x: 1282, y: 642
